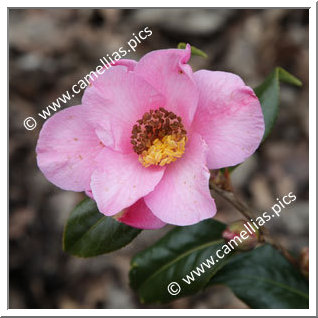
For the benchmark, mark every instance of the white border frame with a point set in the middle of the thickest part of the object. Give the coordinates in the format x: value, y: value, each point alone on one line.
x: 312, y: 167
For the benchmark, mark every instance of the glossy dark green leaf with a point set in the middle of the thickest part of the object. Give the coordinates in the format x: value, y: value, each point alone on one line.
x: 173, y: 257
x: 268, y: 94
x: 90, y: 233
x: 263, y: 278
x: 194, y: 50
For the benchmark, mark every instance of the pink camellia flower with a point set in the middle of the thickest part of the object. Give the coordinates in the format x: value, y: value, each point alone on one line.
x: 147, y: 133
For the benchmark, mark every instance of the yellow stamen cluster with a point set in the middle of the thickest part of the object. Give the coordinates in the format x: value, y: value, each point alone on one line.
x: 164, y: 151
x: 159, y: 137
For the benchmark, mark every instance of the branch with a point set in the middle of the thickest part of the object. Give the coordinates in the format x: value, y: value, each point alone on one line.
x: 235, y: 201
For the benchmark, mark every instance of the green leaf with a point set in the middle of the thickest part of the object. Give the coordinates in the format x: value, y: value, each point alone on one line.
x: 90, y: 233
x: 173, y: 257
x: 268, y: 94
x: 194, y: 50
x: 263, y: 278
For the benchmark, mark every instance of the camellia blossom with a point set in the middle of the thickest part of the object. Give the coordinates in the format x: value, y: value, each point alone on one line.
x: 147, y: 133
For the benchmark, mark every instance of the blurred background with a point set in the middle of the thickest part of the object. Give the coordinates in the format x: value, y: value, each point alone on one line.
x: 52, y: 49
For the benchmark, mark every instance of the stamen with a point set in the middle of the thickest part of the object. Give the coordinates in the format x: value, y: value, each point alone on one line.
x: 159, y: 138
x: 163, y: 152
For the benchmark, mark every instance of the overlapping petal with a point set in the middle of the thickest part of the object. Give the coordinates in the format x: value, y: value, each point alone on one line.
x: 182, y: 197
x: 139, y: 215
x: 115, y: 102
x: 229, y: 118
x: 167, y: 71
x: 120, y: 180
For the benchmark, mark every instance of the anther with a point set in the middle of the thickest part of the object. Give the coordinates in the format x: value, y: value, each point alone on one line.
x: 159, y: 137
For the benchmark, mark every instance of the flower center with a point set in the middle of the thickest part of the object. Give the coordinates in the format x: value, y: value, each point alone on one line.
x: 159, y: 138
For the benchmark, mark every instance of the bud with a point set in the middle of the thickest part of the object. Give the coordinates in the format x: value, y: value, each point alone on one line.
x: 304, y: 261
x: 241, y: 235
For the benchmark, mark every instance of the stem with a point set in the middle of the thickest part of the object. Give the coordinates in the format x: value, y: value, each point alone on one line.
x: 249, y: 214
x: 234, y: 200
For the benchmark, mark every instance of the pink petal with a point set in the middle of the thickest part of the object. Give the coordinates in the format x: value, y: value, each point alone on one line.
x: 182, y: 197
x: 115, y: 102
x: 130, y: 64
x: 139, y: 215
x: 66, y: 149
x: 167, y: 71
x: 120, y: 180
x: 229, y: 118
x: 89, y: 193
